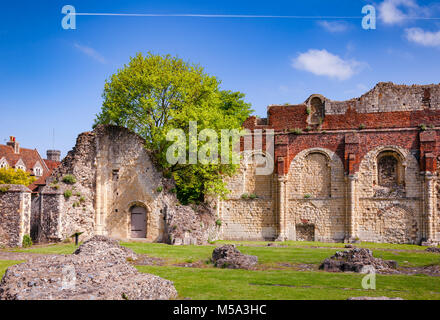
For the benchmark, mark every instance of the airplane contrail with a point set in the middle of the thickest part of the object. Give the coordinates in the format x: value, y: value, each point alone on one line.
x: 233, y: 16
x: 243, y: 16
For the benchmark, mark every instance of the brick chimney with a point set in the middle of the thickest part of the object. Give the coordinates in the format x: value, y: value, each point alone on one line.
x: 14, y: 144
x: 54, y: 155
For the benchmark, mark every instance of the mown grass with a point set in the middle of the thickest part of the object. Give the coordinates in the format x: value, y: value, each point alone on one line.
x: 214, y: 283
x: 311, y: 253
x: 59, y: 248
x: 5, y: 264
x: 271, y: 255
x: 221, y: 284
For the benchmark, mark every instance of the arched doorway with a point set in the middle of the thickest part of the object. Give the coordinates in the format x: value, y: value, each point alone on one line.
x: 138, y: 222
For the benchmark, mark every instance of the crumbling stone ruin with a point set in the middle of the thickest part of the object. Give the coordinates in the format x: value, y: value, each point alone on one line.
x: 356, y: 260
x: 433, y: 249
x: 107, y: 185
x: 228, y: 256
x: 98, y: 270
x: 364, y: 169
x: 15, y: 214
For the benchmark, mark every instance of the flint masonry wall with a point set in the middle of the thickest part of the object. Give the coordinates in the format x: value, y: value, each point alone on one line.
x: 114, y: 173
x: 15, y: 214
x: 362, y: 169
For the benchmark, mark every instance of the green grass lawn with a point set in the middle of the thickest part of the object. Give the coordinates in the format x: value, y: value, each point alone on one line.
x: 276, y: 282
x: 4, y: 264
x: 59, y: 248
x: 221, y: 284
x: 405, y: 255
x: 272, y: 255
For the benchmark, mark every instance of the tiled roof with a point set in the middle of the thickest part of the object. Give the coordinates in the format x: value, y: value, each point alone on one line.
x: 30, y: 158
x: 51, y: 164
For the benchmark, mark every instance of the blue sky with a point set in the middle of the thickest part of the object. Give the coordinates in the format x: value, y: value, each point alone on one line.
x: 51, y: 79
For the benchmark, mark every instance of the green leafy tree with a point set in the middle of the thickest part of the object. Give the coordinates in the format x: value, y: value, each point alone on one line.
x: 12, y: 176
x: 154, y: 94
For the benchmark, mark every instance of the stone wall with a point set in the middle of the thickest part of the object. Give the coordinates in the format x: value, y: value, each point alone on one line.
x: 365, y: 168
x: 316, y: 195
x: 15, y: 214
x: 248, y: 213
x: 389, y: 97
x: 114, y: 173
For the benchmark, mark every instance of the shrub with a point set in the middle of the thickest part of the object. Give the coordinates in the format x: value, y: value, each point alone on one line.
x: 218, y: 223
x: 361, y: 126
x: 55, y: 186
x: 27, y: 241
x: 82, y: 199
x: 308, y: 111
x: 69, y: 179
x: 159, y: 189
x: 12, y: 176
x: 244, y: 196
x: 307, y: 196
x: 4, y: 189
x: 67, y: 194
x: 422, y: 127
x: 296, y: 131
x: 253, y: 196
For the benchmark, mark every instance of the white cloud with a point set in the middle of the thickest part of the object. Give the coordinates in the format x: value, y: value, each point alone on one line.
x: 396, y: 11
x: 333, y: 26
x: 324, y: 63
x: 422, y: 37
x: 91, y: 53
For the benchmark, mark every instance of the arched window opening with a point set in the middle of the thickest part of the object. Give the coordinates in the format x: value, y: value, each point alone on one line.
x: 389, y: 169
x: 316, y: 111
x: 390, y: 180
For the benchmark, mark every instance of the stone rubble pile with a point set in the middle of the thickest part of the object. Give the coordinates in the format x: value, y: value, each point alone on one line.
x: 433, y: 249
x: 103, y: 274
x: 101, y: 245
x: 356, y: 260
x: 188, y: 225
x: 229, y: 257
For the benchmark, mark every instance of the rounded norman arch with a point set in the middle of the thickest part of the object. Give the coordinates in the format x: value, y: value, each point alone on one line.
x: 312, y: 173
x: 408, y: 173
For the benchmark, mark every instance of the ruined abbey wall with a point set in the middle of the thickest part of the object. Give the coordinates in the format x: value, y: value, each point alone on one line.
x: 363, y: 169
x: 113, y: 174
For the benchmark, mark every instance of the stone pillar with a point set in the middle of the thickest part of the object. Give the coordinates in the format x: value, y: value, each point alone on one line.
x: 281, y: 208
x: 351, y: 199
x: 15, y: 214
x: 430, y: 203
x: 101, y: 197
